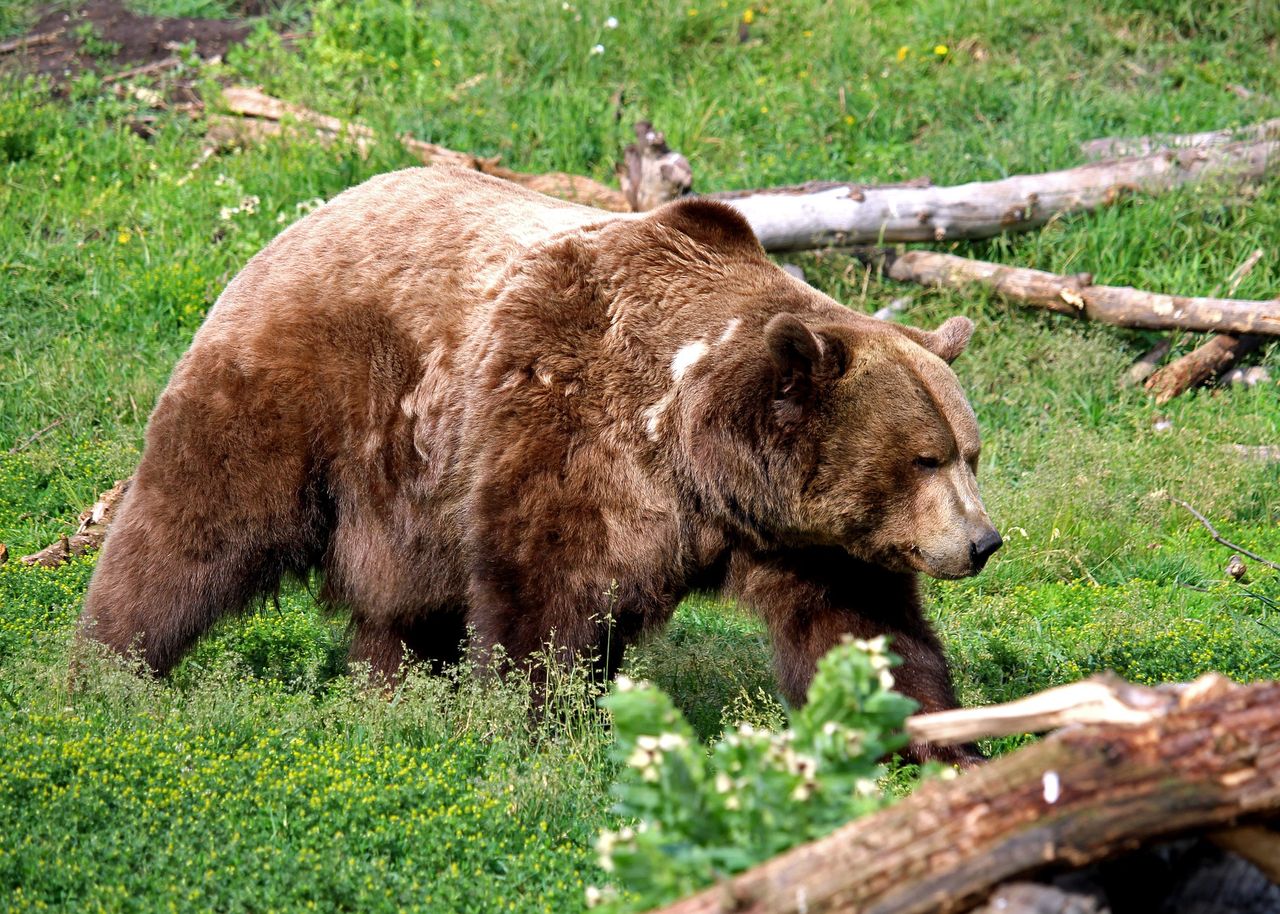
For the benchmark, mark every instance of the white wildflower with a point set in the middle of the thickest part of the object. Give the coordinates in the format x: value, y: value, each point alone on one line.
x: 803, y: 791
x: 732, y: 802
x: 886, y: 679
x: 865, y: 787
x: 597, y: 49
x: 624, y: 683
x: 668, y: 742
x: 647, y: 742
x: 724, y: 783
x: 594, y: 896
x: 649, y: 774
x: 611, y: 22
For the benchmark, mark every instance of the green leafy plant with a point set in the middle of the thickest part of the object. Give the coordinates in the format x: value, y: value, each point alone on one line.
x: 698, y: 815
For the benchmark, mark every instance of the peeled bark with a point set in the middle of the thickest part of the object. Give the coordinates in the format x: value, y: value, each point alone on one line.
x: 1076, y: 295
x: 90, y: 533
x: 824, y: 214
x: 1081, y: 795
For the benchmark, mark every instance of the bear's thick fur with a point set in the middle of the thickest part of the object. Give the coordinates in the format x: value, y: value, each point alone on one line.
x: 471, y: 405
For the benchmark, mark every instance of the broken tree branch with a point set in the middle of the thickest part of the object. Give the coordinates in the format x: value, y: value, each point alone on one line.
x: 1110, y: 147
x: 253, y: 103
x: 1200, y: 364
x: 1217, y: 537
x: 823, y: 214
x: 1081, y: 795
x: 1076, y: 295
x: 89, y: 534
x: 1211, y: 358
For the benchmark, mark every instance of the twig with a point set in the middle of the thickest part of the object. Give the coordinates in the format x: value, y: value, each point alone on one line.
x: 36, y: 436
x: 145, y: 69
x: 1213, y: 532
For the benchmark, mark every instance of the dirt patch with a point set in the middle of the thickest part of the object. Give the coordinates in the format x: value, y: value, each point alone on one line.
x: 105, y: 36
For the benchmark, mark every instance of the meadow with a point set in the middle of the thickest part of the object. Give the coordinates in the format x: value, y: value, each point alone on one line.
x: 261, y: 776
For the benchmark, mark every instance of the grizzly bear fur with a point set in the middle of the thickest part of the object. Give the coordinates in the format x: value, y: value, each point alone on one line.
x: 471, y: 405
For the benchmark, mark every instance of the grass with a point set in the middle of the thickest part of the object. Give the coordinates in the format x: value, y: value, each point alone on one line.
x: 259, y: 778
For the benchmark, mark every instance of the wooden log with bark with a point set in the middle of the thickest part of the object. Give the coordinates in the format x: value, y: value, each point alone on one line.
x: 1203, y: 760
x: 1200, y: 364
x: 823, y: 214
x: 1210, y: 359
x: 1077, y: 295
x: 253, y: 104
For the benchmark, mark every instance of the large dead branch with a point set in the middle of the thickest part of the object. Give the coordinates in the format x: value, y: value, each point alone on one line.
x: 651, y: 173
x: 1201, y: 761
x: 253, y: 103
x: 1110, y: 146
x: 824, y: 214
x: 1078, y: 296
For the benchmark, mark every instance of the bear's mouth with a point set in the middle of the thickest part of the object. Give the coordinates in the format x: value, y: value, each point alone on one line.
x: 919, y: 561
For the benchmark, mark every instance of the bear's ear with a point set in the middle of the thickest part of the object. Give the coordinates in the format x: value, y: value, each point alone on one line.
x: 803, y: 361
x: 947, y: 342
x: 709, y: 222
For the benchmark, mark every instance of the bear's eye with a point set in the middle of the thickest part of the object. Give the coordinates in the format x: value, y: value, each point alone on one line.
x: 928, y: 463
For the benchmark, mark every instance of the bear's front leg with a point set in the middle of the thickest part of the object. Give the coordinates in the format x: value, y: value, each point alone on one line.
x: 811, y: 598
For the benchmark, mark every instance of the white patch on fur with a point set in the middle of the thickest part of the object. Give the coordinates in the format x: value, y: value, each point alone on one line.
x: 652, y: 416
x: 729, y: 330
x: 686, y: 357
x: 1052, y: 787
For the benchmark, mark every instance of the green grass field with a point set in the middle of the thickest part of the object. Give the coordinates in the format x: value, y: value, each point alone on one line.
x: 260, y: 776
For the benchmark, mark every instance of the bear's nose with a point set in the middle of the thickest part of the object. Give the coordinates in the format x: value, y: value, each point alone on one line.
x: 982, y: 549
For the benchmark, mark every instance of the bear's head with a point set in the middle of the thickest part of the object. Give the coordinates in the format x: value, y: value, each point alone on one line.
x: 806, y: 423
x: 891, y: 442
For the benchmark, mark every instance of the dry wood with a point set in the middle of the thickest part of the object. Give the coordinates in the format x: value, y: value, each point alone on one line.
x: 1260, y: 846
x: 253, y: 103
x: 1076, y: 295
x: 651, y: 173
x: 1081, y: 795
x: 1211, y: 358
x: 1147, y: 363
x: 823, y: 214
x: 1218, y: 537
x: 1097, y: 700
x: 89, y: 534
x: 146, y: 69
x: 1111, y: 147
x: 29, y: 41
x: 1199, y: 365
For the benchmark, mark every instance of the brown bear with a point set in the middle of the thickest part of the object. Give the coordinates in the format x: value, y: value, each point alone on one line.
x: 471, y: 405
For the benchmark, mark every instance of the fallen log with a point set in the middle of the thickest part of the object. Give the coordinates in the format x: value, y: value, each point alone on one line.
x: 1111, y: 147
x: 1196, y: 763
x: 255, y: 104
x: 1077, y: 296
x: 823, y: 214
x: 1210, y: 359
x: 1200, y: 364
x: 90, y: 533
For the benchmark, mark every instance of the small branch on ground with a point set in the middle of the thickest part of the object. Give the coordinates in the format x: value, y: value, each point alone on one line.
x: 29, y: 41
x: 255, y: 104
x: 146, y: 69
x: 36, y: 435
x: 89, y: 534
x: 1076, y: 295
x: 1113, y: 147
x: 1218, y: 538
x: 822, y: 214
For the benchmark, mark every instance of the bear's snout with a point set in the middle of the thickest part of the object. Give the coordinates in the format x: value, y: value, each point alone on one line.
x: 983, y: 548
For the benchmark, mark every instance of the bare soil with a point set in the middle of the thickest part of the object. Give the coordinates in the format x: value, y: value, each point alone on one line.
x: 57, y: 46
